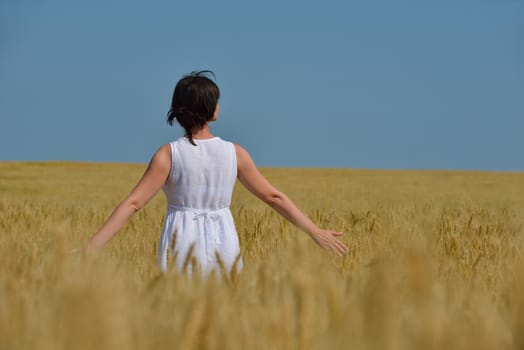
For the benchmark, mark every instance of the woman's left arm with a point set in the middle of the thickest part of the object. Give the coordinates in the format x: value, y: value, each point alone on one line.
x: 150, y: 183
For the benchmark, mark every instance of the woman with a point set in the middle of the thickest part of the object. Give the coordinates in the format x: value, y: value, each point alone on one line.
x: 197, y: 173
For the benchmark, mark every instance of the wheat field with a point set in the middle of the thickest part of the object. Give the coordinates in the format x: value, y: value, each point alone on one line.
x: 435, y: 262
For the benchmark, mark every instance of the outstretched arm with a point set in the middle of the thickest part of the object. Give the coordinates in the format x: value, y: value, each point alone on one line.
x: 257, y: 184
x: 150, y: 183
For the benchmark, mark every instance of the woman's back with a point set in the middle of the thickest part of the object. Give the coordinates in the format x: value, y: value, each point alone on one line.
x: 198, y: 221
x: 202, y: 176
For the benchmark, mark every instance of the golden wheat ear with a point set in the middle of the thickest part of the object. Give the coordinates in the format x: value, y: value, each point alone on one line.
x: 188, y: 258
x: 171, y: 252
x: 234, y: 273
x: 173, y: 239
x: 223, y: 270
x: 171, y: 261
x: 171, y: 265
x: 196, y: 269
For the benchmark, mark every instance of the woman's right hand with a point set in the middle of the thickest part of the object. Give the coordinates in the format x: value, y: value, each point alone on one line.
x: 327, y: 239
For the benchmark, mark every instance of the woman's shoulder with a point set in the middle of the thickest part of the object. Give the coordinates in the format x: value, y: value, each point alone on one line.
x: 162, y: 157
x: 238, y: 148
x: 242, y: 154
x: 164, y: 150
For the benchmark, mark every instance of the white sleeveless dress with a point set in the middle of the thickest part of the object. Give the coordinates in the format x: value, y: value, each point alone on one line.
x: 198, y: 219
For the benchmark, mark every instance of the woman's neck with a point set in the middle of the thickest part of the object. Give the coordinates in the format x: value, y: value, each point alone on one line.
x: 203, y: 133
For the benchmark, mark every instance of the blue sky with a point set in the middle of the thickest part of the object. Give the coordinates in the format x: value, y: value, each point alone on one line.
x: 358, y: 84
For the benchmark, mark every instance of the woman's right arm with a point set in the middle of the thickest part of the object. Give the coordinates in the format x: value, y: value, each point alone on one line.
x: 150, y: 183
x: 257, y: 184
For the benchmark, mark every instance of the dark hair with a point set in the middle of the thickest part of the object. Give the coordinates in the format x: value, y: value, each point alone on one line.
x: 194, y: 101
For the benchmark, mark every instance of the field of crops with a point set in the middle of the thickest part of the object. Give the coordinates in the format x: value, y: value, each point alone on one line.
x: 435, y: 262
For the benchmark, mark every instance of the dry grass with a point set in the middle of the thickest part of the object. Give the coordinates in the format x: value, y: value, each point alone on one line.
x: 435, y: 262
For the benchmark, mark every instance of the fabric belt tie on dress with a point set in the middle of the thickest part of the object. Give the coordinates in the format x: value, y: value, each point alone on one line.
x: 205, y: 215
x: 200, y: 213
x: 201, y: 216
